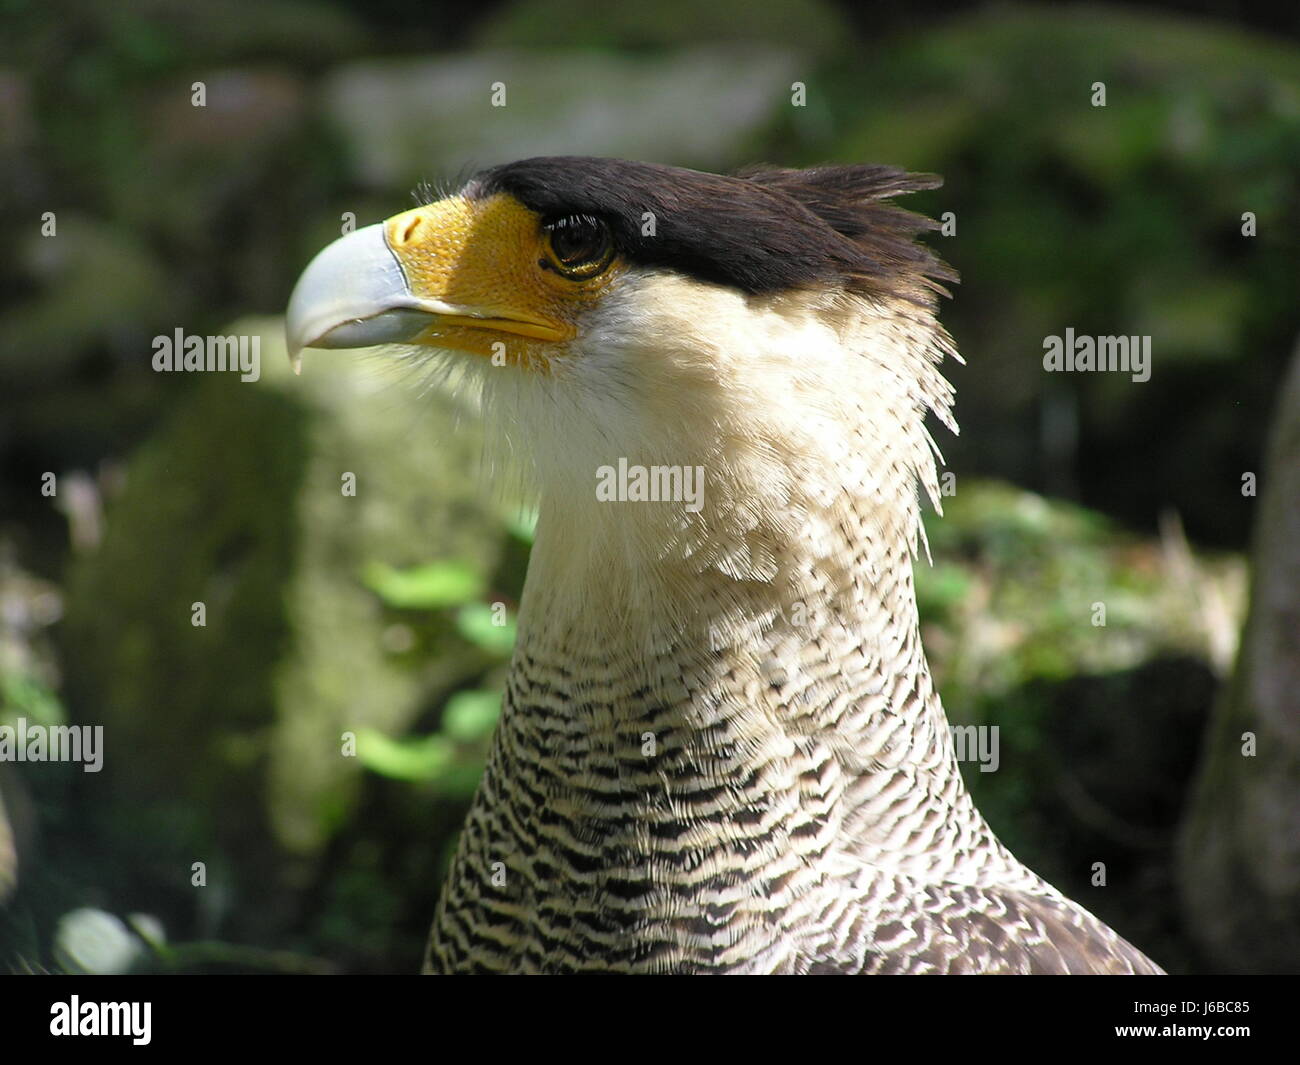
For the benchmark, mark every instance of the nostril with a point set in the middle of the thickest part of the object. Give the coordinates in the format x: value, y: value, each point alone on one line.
x: 407, y: 233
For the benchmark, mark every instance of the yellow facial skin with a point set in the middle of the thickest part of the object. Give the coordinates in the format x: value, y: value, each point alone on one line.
x: 484, y: 263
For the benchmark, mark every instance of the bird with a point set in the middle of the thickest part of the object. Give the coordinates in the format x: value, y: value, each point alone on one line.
x: 720, y: 747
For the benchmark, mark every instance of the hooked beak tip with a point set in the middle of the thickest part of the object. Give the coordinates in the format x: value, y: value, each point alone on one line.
x: 346, y: 296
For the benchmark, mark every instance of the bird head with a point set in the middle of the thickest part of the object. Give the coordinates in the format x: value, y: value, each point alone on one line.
x: 775, y: 330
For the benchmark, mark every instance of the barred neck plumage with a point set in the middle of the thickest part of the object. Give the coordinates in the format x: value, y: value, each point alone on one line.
x: 812, y: 683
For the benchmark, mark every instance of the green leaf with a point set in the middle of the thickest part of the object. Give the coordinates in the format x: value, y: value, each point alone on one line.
x: 470, y: 716
x: 419, y: 758
x: 439, y: 584
x: 477, y: 623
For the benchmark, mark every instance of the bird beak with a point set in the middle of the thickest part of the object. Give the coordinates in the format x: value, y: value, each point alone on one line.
x: 449, y: 274
x: 352, y: 295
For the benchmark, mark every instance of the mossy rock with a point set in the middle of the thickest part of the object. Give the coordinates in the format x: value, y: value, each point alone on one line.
x: 1024, y: 588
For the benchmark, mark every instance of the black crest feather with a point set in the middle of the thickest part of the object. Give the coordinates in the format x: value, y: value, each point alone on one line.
x: 764, y: 230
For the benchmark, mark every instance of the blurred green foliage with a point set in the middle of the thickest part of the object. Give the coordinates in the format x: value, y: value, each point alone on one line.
x: 428, y: 587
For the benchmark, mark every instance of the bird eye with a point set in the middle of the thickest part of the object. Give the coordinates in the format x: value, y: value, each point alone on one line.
x: 579, y: 246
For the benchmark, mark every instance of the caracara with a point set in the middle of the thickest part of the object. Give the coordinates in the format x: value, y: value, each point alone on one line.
x: 720, y: 748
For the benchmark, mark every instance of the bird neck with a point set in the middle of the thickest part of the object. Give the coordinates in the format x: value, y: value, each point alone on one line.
x: 679, y: 668
x: 642, y: 683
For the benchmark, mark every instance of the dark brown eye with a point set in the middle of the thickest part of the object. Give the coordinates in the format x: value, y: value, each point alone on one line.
x: 578, y: 246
